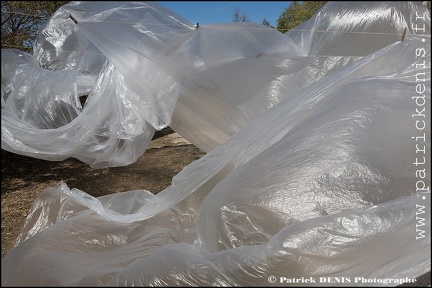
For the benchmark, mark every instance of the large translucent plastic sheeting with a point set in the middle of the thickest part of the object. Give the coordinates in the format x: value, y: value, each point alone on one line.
x: 333, y: 180
x: 204, y: 83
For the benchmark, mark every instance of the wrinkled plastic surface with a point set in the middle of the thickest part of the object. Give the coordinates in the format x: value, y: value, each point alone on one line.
x: 318, y: 181
x: 145, y: 68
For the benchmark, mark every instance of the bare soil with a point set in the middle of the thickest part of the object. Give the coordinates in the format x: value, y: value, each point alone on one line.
x: 24, y: 178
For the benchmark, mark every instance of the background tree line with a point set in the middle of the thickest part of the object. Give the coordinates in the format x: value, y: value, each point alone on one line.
x: 21, y: 20
x: 296, y: 13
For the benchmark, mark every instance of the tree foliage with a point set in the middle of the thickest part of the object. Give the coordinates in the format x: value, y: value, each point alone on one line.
x: 21, y: 21
x: 265, y: 22
x: 297, y: 13
x: 237, y: 17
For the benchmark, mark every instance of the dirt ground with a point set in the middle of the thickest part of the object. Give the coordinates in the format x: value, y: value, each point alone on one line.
x: 24, y: 178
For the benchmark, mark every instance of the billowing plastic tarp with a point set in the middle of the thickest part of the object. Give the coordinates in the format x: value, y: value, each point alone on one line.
x: 319, y: 164
x: 143, y: 68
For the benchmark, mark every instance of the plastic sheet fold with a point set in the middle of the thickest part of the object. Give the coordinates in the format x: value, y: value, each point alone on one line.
x: 312, y: 139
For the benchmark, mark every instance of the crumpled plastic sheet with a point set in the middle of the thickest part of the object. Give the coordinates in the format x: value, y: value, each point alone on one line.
x: 145, y: 68
x: 314, y: 177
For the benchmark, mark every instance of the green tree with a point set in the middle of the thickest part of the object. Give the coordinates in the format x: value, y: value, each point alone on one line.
x: 21, y: 21
x: 237, y: 17
x: 265, y: 22
x: 297, y: 13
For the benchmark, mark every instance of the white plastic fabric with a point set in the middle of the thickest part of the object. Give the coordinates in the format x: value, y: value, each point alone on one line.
x: 310, y: 172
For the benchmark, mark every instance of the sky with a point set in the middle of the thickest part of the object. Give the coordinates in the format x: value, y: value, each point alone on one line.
x: 214, y: 12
